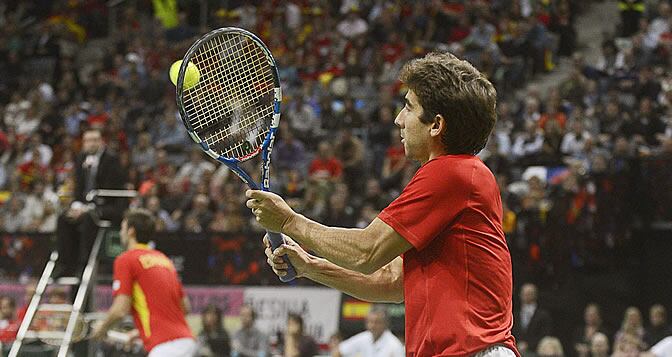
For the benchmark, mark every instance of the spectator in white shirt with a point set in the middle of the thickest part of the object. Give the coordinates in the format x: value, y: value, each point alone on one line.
x: 376, y: 341
x: 574, y: 141
x: 15, y: 217
x: 352, y: 26
x: 46, y: 153
x: 529, y: 142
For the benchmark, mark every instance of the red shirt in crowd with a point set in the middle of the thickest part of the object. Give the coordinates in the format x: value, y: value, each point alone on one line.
x: 329, y: 167
x: 457, y: 276
x: 150, y: 279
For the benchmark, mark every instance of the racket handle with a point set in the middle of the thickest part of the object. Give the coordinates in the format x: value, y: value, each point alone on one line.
x: 276, y: 241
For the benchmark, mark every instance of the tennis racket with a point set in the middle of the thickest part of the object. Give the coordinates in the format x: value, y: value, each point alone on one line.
x: 233, y: 109
x: 49, y: 327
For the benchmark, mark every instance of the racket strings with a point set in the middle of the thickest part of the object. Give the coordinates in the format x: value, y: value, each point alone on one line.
x: 232, y: 107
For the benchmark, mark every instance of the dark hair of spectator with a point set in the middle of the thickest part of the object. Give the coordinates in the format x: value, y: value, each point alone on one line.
x: 456, y: 90
x: 380, y: 310
x: 219, y: 326
x: 143, y: 223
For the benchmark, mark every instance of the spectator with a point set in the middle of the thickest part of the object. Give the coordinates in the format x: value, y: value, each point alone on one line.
x: 295, y: 342
x: 599, y: 345
x: 168, y: 135
x: 192, y: 172
x: 143, y: 153
x: 302, y: 119
x: 658, y: 328
x: 228, y: 218
x: 631, y: 335
x: 574, y: 141
x: 339, y: 212
x: 9, y: 321
x: 41, y: 203
x: 46, y: 153
x: 527, y: 145
x: 350, y: 151
x: 532, y: 322
x: 352, y: 26
x: 164, y: 221
x: 14, y: 217
x: 550, y: 347
x: 627, y: 346
x: 583, y: 335
x: 213, y: 338
x: 325, y: 165
x: 249, y: 341
x: 377, y: 340
x: 7, y: 311
x: 288, y: 152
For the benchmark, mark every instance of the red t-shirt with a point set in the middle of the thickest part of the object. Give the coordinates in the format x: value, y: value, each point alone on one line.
x: 330, y: 167
x: 457, y: 276
x: 150, y: 279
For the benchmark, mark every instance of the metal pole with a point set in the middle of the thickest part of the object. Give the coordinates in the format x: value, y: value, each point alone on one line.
x: 81, y: 293
x: 34, y: 303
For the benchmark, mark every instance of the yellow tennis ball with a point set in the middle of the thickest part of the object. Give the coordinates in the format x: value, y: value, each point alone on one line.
x: 191, y: 76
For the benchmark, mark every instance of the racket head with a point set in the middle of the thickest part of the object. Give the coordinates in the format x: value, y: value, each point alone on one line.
x: 45, y: 322
x: 234, y: 109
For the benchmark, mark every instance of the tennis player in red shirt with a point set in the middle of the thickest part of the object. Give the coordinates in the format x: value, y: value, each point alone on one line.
x: 146, y: 284
x: 439, y: 247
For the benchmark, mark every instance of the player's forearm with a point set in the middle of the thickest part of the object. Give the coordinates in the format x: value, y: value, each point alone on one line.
x: 113, y: 316
x: 120, y: 308
x: 385, y: 285
x: 345, y: 247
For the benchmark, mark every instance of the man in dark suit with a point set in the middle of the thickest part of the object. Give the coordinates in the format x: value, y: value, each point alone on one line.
x: 531, y: 323
x: 95, y: 168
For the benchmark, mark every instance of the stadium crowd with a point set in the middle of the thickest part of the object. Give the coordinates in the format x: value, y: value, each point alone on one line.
x: 575, y: 165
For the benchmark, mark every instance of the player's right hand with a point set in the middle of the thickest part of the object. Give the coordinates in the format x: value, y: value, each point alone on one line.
x: 299, y: 258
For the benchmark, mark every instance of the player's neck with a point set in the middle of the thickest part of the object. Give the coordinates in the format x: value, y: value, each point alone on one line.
x: 435, y: 150
x: 133, y: 244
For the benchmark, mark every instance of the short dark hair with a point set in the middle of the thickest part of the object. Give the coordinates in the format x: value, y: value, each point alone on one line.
x: 219, y: 325
x: 143, y: 222
x: 453, y: 88
x: 380, y: 309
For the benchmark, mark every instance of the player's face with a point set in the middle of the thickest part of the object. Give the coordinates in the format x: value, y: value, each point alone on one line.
x: 414, y: 133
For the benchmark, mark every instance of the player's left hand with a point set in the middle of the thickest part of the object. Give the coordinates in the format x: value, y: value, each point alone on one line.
x: 271, y: 210
x: 300, y: 259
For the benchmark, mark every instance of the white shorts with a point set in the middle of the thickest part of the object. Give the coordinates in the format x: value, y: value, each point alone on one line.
x: 181, y: 347
x: 496, y: 351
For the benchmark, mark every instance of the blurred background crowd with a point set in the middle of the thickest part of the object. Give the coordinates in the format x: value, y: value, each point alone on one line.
x: 583, y: 163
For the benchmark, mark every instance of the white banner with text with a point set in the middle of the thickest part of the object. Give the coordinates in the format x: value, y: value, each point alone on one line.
x: 319, y: 308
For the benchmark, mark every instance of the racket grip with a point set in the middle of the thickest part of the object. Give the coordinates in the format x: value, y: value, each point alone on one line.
x: 276, y: 241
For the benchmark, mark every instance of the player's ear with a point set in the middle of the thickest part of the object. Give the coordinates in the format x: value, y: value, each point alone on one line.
x: 438, y: 125
x: 130, y: 232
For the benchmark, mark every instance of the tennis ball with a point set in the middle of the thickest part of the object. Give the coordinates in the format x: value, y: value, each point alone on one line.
x: 191, y: 76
